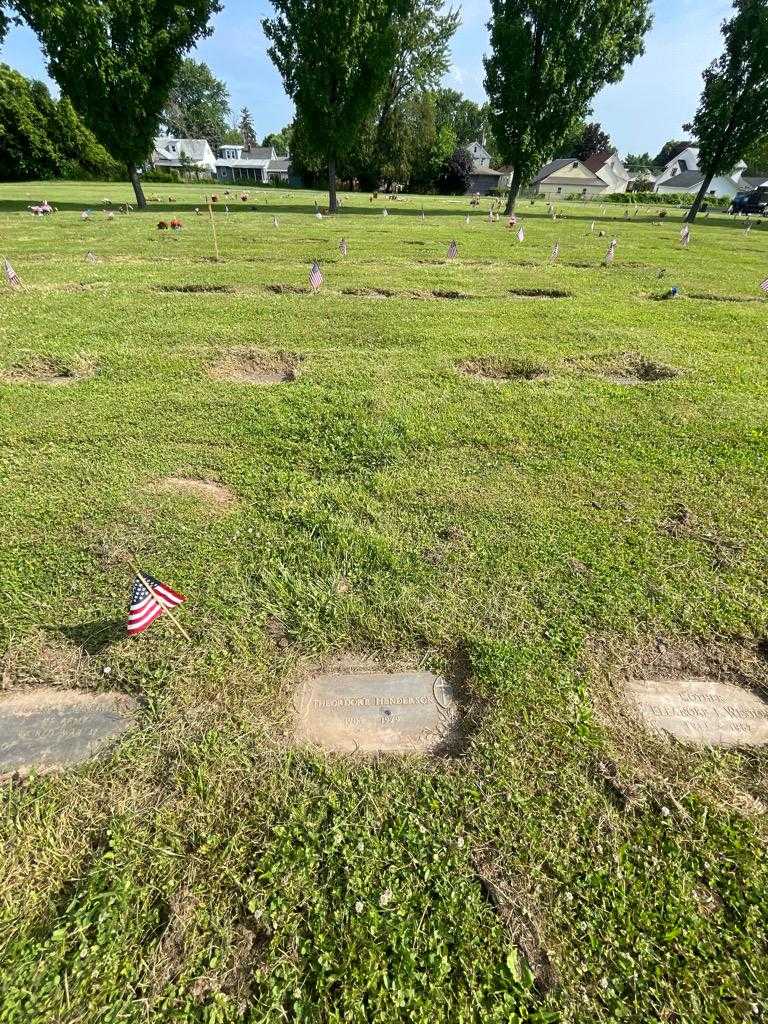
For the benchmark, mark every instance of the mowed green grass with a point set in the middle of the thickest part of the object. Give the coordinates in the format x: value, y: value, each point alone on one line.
x: 567, y: 866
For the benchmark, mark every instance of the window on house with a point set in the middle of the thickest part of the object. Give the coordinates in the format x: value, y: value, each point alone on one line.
x: 559, y: 189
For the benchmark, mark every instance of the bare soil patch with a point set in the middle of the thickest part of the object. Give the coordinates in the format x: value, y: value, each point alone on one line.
x: 441, y: 294
x: 218, y: 496
x: 249, y: 366
x: 712, y: 297
x: 493, y: 368
x: 518, y: 913
x: 52, y: 371
x: 540, y: 293
x: 370, y: 293
x: 287, y: 289
x: 626, y: 368
x: 194, y: 288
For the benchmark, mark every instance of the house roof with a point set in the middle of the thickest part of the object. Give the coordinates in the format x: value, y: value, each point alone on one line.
x: 752, y: 182
x: 242, y: 163
x: 196, y: 150
x: 258, y: 153
x: 281, y: 163
x: 598, y: 160
x: 558, y: 165
x: 487, y: 171
x: 682, y: 181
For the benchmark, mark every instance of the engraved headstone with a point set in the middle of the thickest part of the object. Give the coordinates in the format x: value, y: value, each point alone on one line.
x: 395, y: 712
x: 49, y: 728
x: 701, y: 711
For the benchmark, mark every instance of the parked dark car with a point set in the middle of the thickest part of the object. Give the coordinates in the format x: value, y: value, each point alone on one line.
x: 755, y: 201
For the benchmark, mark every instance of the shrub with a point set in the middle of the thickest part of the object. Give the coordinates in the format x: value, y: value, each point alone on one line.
x: 162, y: 176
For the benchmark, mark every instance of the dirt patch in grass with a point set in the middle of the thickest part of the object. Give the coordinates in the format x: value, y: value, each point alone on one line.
x: 540, y: 293
x: 194, y: 289
x: 516, y: 909
x: 625, y: 368
x: 681, y: 524
x: 441, y: 294
x: 493, y: 368
x: 45, y: 661
x: 712, y: 297
x: 219, y: 497
x: 249, y: 366
x: 286, y: 289
x: 55, y: 372
x: 370, y: 293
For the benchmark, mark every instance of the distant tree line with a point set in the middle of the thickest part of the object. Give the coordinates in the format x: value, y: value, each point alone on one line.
x: 364, y: 77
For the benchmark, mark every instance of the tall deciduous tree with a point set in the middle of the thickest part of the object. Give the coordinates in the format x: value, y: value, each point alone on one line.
x: 334, y: 57
x: 116, y: 60
x: 733, y: 110
x: 756, y: 157
x: 198, y: 104
x: 592, y: 140
x: 670, y: 150
x: 548, y: 59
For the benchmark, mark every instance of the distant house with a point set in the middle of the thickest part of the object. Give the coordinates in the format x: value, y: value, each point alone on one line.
x: 682, y: 174
x: 240, y: 164
x: 484, y: 178
x: 609, y: 169
x: 566, y: 177
x: 183, y: 155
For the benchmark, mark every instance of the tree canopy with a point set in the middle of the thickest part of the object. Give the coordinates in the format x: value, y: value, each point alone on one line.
x: 198, y: 104
x: 733, y: 110
x: 246, y: 127
x: 41, y: 137
x: 335, y: 59
x: 670, y: 150
x: 548, y: 59
x: 586, y: 141
x: 117, y: 60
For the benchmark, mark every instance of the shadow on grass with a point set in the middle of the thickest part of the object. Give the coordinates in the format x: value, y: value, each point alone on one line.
x: 95, y: 637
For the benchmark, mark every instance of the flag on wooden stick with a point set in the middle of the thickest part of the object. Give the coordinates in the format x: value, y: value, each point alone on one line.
x: 611, y: 254
x: 315, y: 276
x: 685, y: 236
x: 555, y: 252
x: 10, y: 275
x: 275, y: 222
x: 521, y: 234
x: 764, y: 285
x: 453, y: 250
x: 343, y: 248
x: 149, y: 599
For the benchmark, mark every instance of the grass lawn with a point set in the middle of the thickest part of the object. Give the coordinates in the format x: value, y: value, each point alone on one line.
x: 586, y: 500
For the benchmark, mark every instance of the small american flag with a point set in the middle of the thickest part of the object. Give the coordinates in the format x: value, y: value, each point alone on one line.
x: 453, y: 250
x: 490, y: 216
x: 467, y: 219
x: 10, y: 275
x: 343, y: 248
x: 315, y: 277
x: 275, y: 222
x: 422, y: 213
x: 685, y: 236
x: 148, y: 602
x: 555, y: 251
x: 521, y: 234
x: 385, y: 213
x: 749, y: 228
x: 592, y: 228
x: 92, y: 257
x: 609, y: 256
x: 764, y: 285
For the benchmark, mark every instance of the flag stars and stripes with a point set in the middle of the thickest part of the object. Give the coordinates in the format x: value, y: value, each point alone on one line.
x: 315, y: 277
x: 453, y: 250
x: 149, y: 599
x: 555, y: 252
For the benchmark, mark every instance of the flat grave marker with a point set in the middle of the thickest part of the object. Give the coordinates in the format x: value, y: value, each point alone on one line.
x: 47, y: 728
x: 701, y: 711
x: 394, y: 712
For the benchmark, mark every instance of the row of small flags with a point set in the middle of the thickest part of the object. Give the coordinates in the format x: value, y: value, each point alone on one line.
x: 316, y: 278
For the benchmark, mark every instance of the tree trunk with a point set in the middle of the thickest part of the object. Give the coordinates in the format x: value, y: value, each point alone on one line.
x: 699, y: 199
x: 514, y: 190
x: 332, y: 204
x: 141, y: 202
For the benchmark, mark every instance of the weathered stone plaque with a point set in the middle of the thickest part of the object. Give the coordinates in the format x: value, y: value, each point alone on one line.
x: 48, y: 728
x: 396, y: 712
x: 701, y: 711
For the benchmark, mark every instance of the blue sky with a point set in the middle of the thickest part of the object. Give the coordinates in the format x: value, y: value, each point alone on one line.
x: 658, y: 93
